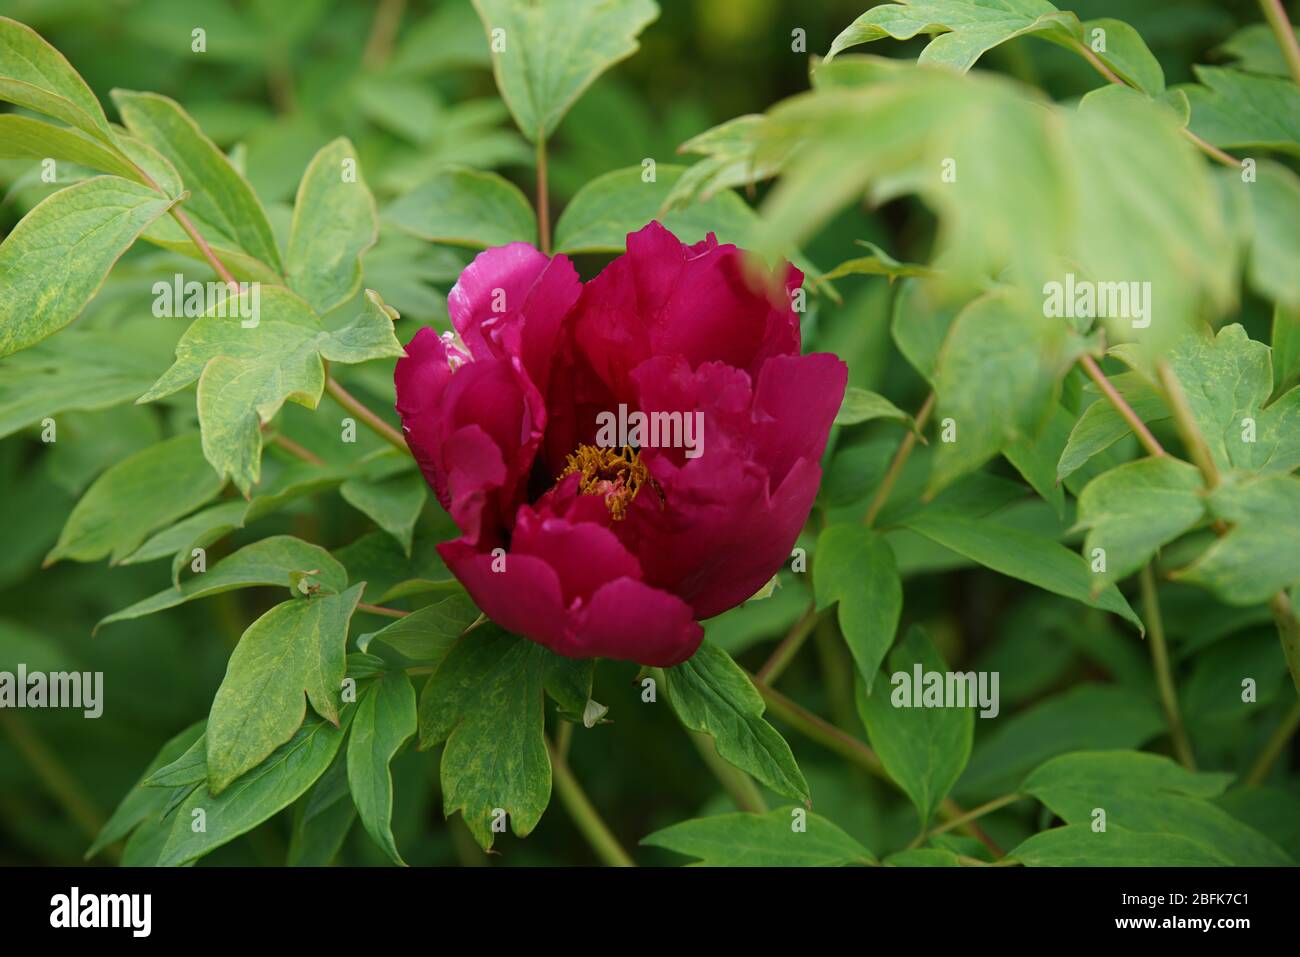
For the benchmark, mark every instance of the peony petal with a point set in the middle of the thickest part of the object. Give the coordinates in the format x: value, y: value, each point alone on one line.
x: 630, y: 621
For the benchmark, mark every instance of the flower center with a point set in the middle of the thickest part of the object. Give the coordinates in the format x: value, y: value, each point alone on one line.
x: 616, y: 474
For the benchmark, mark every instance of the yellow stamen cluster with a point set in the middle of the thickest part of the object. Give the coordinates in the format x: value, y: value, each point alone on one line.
x: 616, y: 474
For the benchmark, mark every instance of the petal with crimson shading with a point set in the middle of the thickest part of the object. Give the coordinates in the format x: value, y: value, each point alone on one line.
x: 666, y: 298
x: 511, y: 301
x: 584, y: 555
x: 795, y: 402
x: 523, y: 596
x: 628, y: 620
x: 420, y: 378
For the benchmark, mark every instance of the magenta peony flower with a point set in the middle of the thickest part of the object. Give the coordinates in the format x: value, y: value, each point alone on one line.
x: 623, y: 457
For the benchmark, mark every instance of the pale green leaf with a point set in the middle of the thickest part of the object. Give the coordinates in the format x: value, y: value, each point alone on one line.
x: 60, y: 253
x: 544, y: 55
x: 221, y: 203
x: 966, y: 29
x: 268, y: 562
x: 466, y: 207
x: 334, y: 224
x: 35, y: 75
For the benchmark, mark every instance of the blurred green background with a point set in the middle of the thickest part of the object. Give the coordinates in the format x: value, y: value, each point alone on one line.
x: 410, y: 84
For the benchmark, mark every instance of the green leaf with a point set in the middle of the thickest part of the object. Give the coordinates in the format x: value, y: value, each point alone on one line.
x: 1256, y: 48
x: 711, y: 694
x: 1125, y: 52
x: 599, y: 217
x: 1234, y: 109
x: 393, y: 503
x: 544, y: 55
x: 322, y: 819
x: 1079, y: 846
x: 268, y: 788
x: 1227, y: 379
x: 132, y: 498
x: 855, y: 567
x: 60, y: 253
x: 879, y: 263
x: 428, y: 633
x: 385, y: 718
x: 998, y: 355
x: 762, y: 840
x: 1023, y: 555
x: 179, y: 539
x: 1286, y: 348
x: 1101, y: 426
x: 1036, y: 459
x: 860, y: 405
x: 81, y: 369
x: 1133, y: 509
x: 485, y: 701
x: 1024, y: 201
x: 248, y: 368
x: 923, y: 857
x: 1274, y: 243
x: 268, y: 562
x: 189, y: 768
x: 222, y: 205
x: 35, y: 75
x: 466, y: 207
x: 142, y: 802
x: 730, y: 161
x: 1258, y: 556
x: 966, y: 30
x: 23, y: 137
x: 334, y: 223
x: 1087, y: 717
x: 924, y: 748
x: 1150, y: 793
x: 296, y: 647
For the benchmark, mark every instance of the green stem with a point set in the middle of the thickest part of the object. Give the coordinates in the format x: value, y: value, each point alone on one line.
x: 789, y: 647
x: 975, y: 813
x: 296, y: 450
x: 1210, y: 150
x: 543, y: 199
x: 1277, y: 743
x: 584, y: 815
x: 1125, y: 410
x: 373, y: 422
x: 895, y: 469
x: 1164, y: 675
x: 1281, y: 26
x: 382, y: 610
